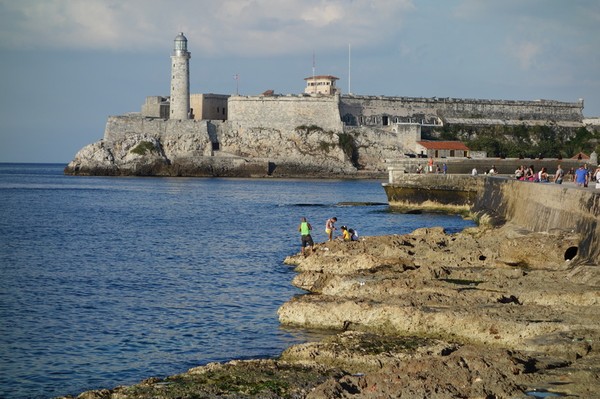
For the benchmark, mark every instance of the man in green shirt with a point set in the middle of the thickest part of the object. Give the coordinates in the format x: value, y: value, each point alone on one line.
x: 305, y: 228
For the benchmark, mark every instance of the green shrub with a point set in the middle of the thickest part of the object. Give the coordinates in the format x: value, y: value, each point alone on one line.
x: 348, y: 145
x: 143, y: 147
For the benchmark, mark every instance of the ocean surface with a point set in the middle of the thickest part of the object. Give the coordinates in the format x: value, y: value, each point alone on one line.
x: 107, y: 281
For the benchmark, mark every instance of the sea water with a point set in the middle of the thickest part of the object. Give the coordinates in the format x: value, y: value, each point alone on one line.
x: 106, y: 281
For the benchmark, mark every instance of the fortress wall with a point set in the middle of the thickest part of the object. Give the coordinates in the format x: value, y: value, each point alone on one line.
x: 118, y: 127
x: 285, y: 112
x: 503, y: 109
x: 372, y: 106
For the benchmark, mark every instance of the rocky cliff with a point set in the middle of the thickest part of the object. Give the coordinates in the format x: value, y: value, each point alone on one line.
x: 134, y: 145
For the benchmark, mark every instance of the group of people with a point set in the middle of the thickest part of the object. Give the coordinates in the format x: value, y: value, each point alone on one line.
x: 581, y: 176
x: 529, y: 174
x: 431, y: 168
x: 305, y: 230
x: 492, y: 171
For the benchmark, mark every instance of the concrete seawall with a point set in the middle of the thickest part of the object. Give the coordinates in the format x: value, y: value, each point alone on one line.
x: 545, y: 207
x: 433, y: 191
x: 538, y: 207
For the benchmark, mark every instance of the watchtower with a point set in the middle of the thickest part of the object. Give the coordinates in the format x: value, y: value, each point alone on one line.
x: 180, y: 80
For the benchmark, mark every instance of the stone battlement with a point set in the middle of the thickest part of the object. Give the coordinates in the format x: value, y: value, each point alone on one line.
x: 285, y: 112
x: 381, y: 110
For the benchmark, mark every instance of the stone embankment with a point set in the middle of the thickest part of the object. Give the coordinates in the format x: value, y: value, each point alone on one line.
x: 496, y: 311
x: 537, y: 207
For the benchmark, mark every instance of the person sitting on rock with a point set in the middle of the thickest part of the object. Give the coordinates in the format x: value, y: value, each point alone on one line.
x: 353, y: 234
x: 346, y: 236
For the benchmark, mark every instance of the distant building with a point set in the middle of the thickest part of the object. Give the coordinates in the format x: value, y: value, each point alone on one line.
x: 209, y: 106
x: 322, y: 84
x: 442, y: 149
x: 581, y: 156
x: 409, y: 135
x: 156, y: 107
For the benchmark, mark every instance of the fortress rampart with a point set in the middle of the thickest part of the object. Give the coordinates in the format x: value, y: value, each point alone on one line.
x: 119, y: 127
x: 285, y: 112
x: 379, y: 110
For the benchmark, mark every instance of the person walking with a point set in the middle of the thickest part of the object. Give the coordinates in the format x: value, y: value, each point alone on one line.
x: 305, y: 229
x: 329, y: 227
x: 581, y: 176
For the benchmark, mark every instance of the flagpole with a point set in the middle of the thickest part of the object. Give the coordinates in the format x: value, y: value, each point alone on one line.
x: 349, y: 52
x: 313, y: 69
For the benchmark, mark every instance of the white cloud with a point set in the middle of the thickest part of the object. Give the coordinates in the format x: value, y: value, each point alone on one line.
x: 258, y: 27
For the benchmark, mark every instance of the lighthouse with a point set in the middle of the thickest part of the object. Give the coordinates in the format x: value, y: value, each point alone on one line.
x: 180, y: 79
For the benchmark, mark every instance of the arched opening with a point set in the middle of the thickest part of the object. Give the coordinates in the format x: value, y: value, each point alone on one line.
x: 571, y: 253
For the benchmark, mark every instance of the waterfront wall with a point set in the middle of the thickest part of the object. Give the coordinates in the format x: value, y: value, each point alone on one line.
x: 433, y: 192
x: 539, y: 207
x: 506, y: 166
x: 545, y: 207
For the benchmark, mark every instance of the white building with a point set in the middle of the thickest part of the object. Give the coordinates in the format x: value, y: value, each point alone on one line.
x: 322, y: 84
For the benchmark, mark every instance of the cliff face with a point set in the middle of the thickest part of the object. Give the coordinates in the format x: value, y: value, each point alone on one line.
x: 134, y: 145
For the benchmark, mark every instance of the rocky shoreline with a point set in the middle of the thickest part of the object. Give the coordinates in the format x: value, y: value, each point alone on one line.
x: 485, y: 313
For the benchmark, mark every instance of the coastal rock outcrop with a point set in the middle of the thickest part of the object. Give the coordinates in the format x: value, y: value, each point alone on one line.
x: 520, y: 315
x: 133, y: 145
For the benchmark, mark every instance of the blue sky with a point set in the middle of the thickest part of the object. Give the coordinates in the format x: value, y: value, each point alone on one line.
x: 66, y: 65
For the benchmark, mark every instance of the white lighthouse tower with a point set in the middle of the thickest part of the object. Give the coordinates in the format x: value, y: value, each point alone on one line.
x: 180, y: 80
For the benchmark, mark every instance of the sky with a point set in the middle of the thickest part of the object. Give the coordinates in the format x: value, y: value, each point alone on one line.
x: 67, y: 65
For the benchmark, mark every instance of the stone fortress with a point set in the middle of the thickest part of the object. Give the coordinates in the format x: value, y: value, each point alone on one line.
x: 319, y: 133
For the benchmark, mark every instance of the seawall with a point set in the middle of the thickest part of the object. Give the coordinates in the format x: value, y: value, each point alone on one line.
x: 504, y: 166
x: 545, y: 207
x: 449, y: 193
x: 537, y: 207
